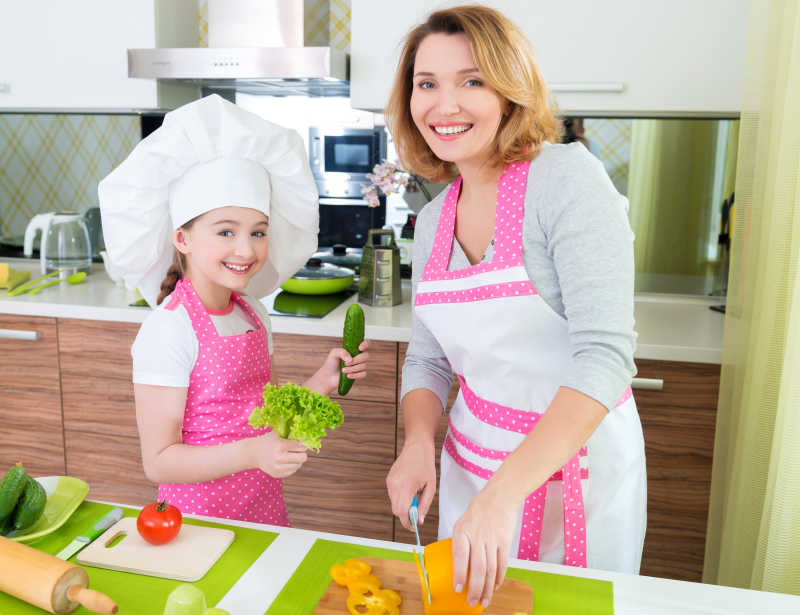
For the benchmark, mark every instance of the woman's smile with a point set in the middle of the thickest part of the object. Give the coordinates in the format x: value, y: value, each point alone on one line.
x: 449, y: 131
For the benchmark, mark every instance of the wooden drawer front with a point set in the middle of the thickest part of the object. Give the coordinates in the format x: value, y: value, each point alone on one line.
x: 30, y: 408
x: 297, y: 357
x: 97, y: 347
x: 112, y: 466
x: 679, y: 423
x: 367, y: 434
x: 96, y: 386
x: 343, y: 497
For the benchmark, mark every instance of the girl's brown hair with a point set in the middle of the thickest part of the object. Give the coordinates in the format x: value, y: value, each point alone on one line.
x: 505, y: 59
x: 176, y: 270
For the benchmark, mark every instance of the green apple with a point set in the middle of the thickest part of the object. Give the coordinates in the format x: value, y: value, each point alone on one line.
x: 185, y: 599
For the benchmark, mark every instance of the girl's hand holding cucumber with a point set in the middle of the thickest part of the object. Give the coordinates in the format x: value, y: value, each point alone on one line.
x: 344, y: 365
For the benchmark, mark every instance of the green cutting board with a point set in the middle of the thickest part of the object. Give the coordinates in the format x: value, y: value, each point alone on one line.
x: 140, y: 594
x: 553, y: 594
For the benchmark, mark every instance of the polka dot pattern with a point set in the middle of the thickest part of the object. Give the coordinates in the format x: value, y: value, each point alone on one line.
x: 479, y: 293
x: 508, y: 228
x: 225, y: 385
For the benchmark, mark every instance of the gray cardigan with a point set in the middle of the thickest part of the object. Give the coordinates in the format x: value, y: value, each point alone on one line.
x: 578, y: 252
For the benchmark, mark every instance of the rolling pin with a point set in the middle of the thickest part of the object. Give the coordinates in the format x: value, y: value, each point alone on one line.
x: 48, y: 582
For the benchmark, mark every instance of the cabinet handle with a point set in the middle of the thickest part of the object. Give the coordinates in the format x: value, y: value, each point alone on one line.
x: 648, y: 384
x: 612, y: 87
x: 16, y: 334
x: 342, y: 201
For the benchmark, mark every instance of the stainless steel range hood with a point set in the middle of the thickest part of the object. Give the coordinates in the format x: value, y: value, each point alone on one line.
x: 272, y: 58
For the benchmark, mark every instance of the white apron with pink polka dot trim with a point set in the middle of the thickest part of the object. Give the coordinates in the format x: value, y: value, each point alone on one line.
x: 510, y: 351
x: 224, y: 387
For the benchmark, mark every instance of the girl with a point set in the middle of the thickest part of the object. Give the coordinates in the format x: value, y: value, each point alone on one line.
x: 227, y: 198
x: 522, y: 286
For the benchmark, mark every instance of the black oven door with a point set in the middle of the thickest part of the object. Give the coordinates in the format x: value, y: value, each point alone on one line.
x: 347, y: 221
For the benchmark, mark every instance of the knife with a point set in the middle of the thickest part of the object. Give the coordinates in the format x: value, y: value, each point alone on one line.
x: 413, y: 515
x: 90, y: 534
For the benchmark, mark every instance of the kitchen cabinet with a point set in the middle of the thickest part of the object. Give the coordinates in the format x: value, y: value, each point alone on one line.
x: 74, y: 54
x: 30, y: 410
x: 679, y: 424
x: 100, y: 434
x: 611, y: 57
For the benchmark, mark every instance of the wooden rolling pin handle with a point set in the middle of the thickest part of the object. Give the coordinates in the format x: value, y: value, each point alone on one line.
x: 92, y: 600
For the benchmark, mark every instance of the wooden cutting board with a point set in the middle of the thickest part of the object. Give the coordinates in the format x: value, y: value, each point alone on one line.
x: 512, y: 597
x: 188, y: 557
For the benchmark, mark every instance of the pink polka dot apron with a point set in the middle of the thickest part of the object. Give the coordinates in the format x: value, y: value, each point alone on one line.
x: 510, y: 351
x: 225, y: 385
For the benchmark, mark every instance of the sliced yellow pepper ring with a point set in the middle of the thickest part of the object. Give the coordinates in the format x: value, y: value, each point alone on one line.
x: 352, y: 570
x: 368, y: 599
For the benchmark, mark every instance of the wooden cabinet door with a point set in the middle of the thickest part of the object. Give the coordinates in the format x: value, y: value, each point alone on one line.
x: 340, y: 496
x: 297, y: 357
x: 343, y: 489
x: 429, y: 530
x: 102, y: 441
x: 679, y: 424
x: 30, y: 409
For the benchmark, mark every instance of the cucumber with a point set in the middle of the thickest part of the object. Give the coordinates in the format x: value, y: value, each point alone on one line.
x: 30, y: 506
x: 352, y: 337
x: 11, y: 490
x: 6, y: 526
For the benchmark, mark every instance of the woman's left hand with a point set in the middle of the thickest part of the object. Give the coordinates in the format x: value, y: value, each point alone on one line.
x: 326, y: 379
x: 481, y: 545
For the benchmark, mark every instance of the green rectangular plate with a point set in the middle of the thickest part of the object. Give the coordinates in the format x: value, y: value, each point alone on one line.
x: 553, y: 594
x: 135, y: 593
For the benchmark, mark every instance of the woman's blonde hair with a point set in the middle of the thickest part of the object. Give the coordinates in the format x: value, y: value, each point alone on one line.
x: 176, y: 270
x: 505, y: 59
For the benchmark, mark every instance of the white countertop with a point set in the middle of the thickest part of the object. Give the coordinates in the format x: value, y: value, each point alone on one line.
x: 633, y: 595
x: 670, y: 327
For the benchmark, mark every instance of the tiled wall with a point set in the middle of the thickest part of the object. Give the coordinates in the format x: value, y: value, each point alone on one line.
x: 610, y: 141
x: 53, y: 162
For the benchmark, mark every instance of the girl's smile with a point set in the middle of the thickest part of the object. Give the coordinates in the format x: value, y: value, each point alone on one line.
x: 238, y: 268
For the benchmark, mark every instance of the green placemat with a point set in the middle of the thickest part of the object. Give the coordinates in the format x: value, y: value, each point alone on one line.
x: 554, y: 594
x: 137, y: 594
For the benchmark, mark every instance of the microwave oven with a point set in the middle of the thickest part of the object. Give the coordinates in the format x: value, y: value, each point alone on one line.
x: 344, y: 156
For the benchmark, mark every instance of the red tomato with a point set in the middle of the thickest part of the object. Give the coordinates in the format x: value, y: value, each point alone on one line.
x: 159, y: 522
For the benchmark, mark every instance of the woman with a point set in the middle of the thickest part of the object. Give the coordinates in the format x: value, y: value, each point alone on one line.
x: 531, y: 307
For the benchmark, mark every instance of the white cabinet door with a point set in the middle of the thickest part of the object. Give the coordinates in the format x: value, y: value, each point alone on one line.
x: 56, y: 54
x: 601, y: 56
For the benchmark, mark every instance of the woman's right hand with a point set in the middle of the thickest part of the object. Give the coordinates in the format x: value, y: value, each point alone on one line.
x: 276, y: 456
x: 413, y: 471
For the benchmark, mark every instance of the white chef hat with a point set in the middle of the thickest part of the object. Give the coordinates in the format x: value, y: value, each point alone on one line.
x: 208, y: 154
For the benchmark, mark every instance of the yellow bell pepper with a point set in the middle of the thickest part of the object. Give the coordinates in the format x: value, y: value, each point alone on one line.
x: 439, y: 565
x: 353, y: 570
x: 368, y: 599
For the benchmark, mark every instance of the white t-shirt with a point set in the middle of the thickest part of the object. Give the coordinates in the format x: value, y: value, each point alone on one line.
x: 166, y: 347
